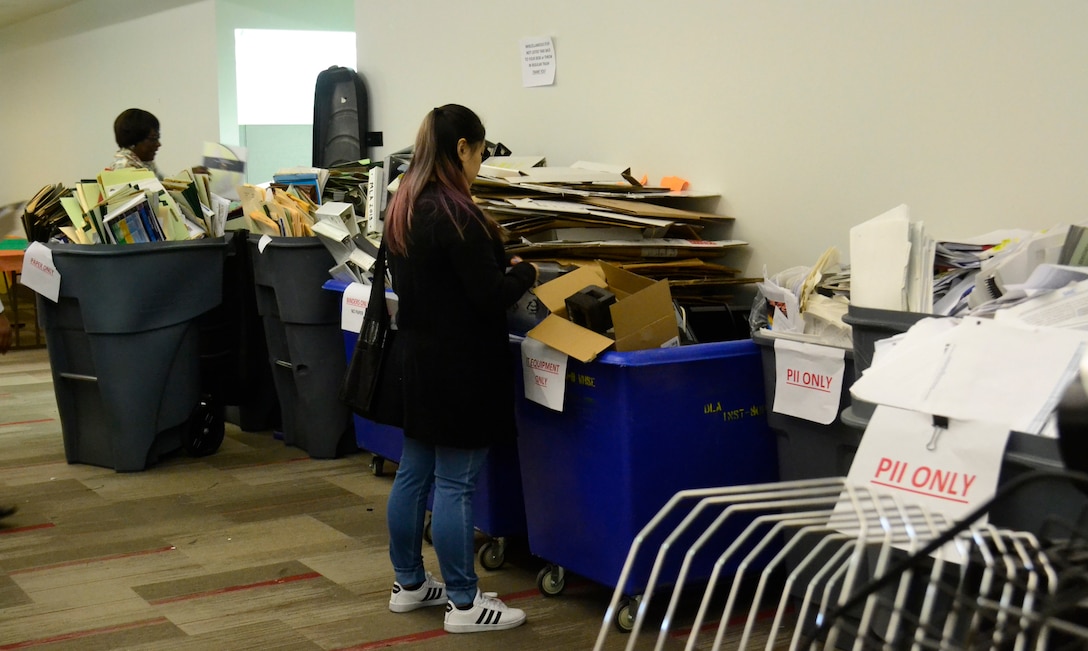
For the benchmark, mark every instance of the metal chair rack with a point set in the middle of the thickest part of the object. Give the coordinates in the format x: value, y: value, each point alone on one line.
x: 844, y: 567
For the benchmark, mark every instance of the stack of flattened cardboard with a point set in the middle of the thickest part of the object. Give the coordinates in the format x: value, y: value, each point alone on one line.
x: 587, y: 212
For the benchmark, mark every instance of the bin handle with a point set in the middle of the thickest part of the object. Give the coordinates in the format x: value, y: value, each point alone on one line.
x: 78, y: 376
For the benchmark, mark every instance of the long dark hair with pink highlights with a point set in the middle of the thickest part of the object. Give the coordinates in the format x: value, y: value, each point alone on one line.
x: 435, y: 160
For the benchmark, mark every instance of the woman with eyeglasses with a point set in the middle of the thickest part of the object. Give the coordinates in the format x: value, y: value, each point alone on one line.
x: 454, y: 283
x: 137, y: 134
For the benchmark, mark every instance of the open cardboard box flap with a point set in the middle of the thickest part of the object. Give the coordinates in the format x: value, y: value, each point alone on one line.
x: 642, y: 316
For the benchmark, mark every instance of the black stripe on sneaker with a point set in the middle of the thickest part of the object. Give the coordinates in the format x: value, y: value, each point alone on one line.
x: 498, y: 615
x: 396, y: 588
x: 432, y: 594
x: 484, y: 614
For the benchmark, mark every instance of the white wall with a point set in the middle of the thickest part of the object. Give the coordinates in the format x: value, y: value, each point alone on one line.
x: 66, y: 75
x: 807, y: 116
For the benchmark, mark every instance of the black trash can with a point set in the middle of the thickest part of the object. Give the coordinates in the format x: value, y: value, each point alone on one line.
x: 124, y: 345
x: 236, y: 350
x: 305, y: 344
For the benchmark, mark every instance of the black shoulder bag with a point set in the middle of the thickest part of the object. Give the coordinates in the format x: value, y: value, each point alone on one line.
x: 372, y: 384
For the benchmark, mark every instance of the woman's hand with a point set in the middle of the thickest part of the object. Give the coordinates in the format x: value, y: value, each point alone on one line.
x: 516, y: 260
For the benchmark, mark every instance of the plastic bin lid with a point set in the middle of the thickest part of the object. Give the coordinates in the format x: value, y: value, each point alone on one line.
x: 872, y: 317
x: 764, y: 338
x: 335, y: 285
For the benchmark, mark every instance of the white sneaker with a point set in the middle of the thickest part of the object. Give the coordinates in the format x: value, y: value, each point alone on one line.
x: 488, y: 613
x: 431, y: 593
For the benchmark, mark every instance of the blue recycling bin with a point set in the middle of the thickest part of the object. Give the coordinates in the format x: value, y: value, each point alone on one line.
x: 498, y: 506
x: 636, y: 428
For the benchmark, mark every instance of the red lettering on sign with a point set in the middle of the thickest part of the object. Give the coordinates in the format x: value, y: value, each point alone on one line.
x: 939, y: 483
x: 808, y: 380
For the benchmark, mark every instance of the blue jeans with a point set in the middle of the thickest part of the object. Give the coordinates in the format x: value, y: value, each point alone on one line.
x: 453, y: 473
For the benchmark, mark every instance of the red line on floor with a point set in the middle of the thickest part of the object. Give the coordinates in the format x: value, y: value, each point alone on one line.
x: 397, y: 641
x: 27, y: 422
x: 27, y: 644
x: 517, y: 596
x: 96, y: 559
x: 32, y: 527
x: 235, y: 588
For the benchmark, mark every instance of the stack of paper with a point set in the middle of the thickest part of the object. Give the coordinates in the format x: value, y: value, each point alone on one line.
x: 308, y: 180
x: 890, y: 262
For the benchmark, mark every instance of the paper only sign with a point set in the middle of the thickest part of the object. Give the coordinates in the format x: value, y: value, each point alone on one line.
x: 39, y: 273
x: 808, y: 380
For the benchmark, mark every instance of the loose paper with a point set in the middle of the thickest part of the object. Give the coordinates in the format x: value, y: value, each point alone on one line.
x: 39, y: 273
x: 544, y: 370
x: 537, y: 61
x: 880, y: 260
x: 975, y: 369
x: 808, y: 380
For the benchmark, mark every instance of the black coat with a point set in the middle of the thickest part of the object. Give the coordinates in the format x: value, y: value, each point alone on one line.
x: 454, y: 289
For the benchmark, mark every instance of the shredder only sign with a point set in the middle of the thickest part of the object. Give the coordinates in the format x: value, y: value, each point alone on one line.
x: 808, y: 380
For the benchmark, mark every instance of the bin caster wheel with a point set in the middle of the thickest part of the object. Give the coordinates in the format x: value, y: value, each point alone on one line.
x: 492, y: 554
x: 625, y: 615
x: 377, y: 466
x: 551, y: 580
x: 204, y: 432
x: 427, y: 531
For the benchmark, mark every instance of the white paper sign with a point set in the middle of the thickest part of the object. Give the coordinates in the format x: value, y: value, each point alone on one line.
x: 545, y: 372
x: 353, y: 307
x: 39, y: 273
x: 808, y: 380
x: 537, y: 61
x: 951, y: 470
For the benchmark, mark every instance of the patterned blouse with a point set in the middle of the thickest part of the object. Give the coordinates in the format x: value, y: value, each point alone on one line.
x: 125, y: 158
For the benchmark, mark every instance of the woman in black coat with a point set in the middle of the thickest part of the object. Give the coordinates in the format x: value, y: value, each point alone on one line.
x: 454, y: 284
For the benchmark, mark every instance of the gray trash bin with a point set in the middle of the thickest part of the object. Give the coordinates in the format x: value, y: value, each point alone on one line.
x: 305, y: 343
x: 124, y: 346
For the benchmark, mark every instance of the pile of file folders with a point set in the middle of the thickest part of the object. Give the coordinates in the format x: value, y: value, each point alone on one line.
x: 44, y: 215
x: 125, y: 207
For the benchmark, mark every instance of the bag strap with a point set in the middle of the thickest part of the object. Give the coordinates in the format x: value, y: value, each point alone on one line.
x: 375, y: 308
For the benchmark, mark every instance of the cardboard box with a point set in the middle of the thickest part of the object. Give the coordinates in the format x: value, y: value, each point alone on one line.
x: 642, y: 315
